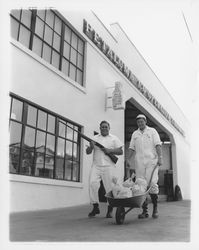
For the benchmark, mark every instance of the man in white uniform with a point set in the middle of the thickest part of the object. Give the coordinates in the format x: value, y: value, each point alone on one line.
x: 102, y: 167
x: 145, y: 146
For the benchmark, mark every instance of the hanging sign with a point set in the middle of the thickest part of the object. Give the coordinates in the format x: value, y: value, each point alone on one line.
x: 118, y: 97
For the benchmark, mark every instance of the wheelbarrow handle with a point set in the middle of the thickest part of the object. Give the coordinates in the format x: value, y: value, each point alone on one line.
x: 149, y: 186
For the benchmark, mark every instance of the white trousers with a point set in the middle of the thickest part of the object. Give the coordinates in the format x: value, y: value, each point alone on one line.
x: 97, y: 174
x: 145, y: 171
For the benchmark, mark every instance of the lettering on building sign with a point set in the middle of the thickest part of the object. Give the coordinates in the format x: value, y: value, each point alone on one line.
x: 118, y: 97
x: 110, y: 54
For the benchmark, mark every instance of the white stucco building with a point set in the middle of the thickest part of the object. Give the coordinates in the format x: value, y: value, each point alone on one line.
x: 64, y: 70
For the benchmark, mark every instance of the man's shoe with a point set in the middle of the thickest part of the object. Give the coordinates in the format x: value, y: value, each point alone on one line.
x: 109, y: 212
x: 143, y: 215
x: 94, y: 211
x: 155, y: 213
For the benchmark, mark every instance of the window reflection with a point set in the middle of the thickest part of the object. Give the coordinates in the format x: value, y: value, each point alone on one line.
x: 69, y: 131
x: 42, y: 117
x: 40, y: 142
x: 15, y: 133
x: 17, y: 108
x: 32, y: 151
x: 14, y: 158
x: 29, y: 140
x: 60, y: 159
x: 62, y: 128
x: 50, y: 145
x: 32, y: 116
x: 51, y: 124
x: 27, y: 165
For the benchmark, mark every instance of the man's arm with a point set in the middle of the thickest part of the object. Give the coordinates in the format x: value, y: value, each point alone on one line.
x: 159, y: 153
x: 131, y: 153
x: 90, y: 148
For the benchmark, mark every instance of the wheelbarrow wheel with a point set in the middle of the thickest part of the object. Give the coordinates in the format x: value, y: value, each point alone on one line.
x: 120, y: 215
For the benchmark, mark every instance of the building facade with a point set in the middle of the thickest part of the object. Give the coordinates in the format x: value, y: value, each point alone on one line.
x: 69, y: 73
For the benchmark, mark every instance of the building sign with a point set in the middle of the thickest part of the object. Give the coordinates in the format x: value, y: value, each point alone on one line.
x: 110, y: 54
x: 118, y: 97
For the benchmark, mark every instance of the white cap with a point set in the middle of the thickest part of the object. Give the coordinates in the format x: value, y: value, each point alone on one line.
x: 141, y: 116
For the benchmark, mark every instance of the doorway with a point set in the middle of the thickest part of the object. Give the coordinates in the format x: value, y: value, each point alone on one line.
x: 165, y: 182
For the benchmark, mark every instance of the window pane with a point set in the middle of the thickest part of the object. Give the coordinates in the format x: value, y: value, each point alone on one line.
x: 39, y: 165
x: 24, y: 36
x: 27, y: 165
x: 51, y: 123
x: 42, y: 116
x: 32, y: 116
x: 69, y: 134
x: 79, y: 77
x: 14, y: 159
x: 81, y: 46
x: 74, y: 41
x: 41, y: 14
x: 60, y: 147
x: 49, y: 166
x: 15, y: 133
x: 62, y: 128
x: 73, y: 56
x: 14, y: 29
x: 49, y: 18
x: 56, y: 42
x: 39, y: 28
x: 75, y: 133
x: 37, y: 46
x: 72, y: 72
x: 68, y: 160
x: 80, y: 61
x: 65, y: 66
x: 26, y: 17
x: 50, y: 144
x: 29, y: 140
x: 60, y: 159
x: 48, y: 35
x: 46, y: 53
x: 55, y: 59
x: 58, y: 24
x: 75, y: 152
x: 67, y: 35
x: 40, y: 142
x: 75, y: 171
x: 16, y: 13
x: 17, y: 107
x: 66, y: 50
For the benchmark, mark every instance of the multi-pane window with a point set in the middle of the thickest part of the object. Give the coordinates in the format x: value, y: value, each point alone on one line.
x: 42, y: 144
x: 47, y: 35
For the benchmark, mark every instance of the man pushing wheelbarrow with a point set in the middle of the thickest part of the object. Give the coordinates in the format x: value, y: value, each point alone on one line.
x: 145, y: 146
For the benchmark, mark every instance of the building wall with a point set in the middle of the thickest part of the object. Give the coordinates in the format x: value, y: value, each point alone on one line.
x: 37, y: 81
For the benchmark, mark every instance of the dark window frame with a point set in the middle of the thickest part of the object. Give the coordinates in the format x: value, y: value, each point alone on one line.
x: 64, y: 24
x: 23, y: 148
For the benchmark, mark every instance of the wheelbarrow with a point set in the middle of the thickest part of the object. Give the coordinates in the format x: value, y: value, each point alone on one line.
x: 130, y: 203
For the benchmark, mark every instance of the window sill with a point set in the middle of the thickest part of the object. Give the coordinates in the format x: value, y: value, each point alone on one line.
x: 47, y: 65
x: 44, y: 181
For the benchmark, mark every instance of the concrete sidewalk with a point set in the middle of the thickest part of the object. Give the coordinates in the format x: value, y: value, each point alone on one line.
x: 72, y: 224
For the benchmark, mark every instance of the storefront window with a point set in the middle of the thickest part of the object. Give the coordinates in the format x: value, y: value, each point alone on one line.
x: 42, y: 144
